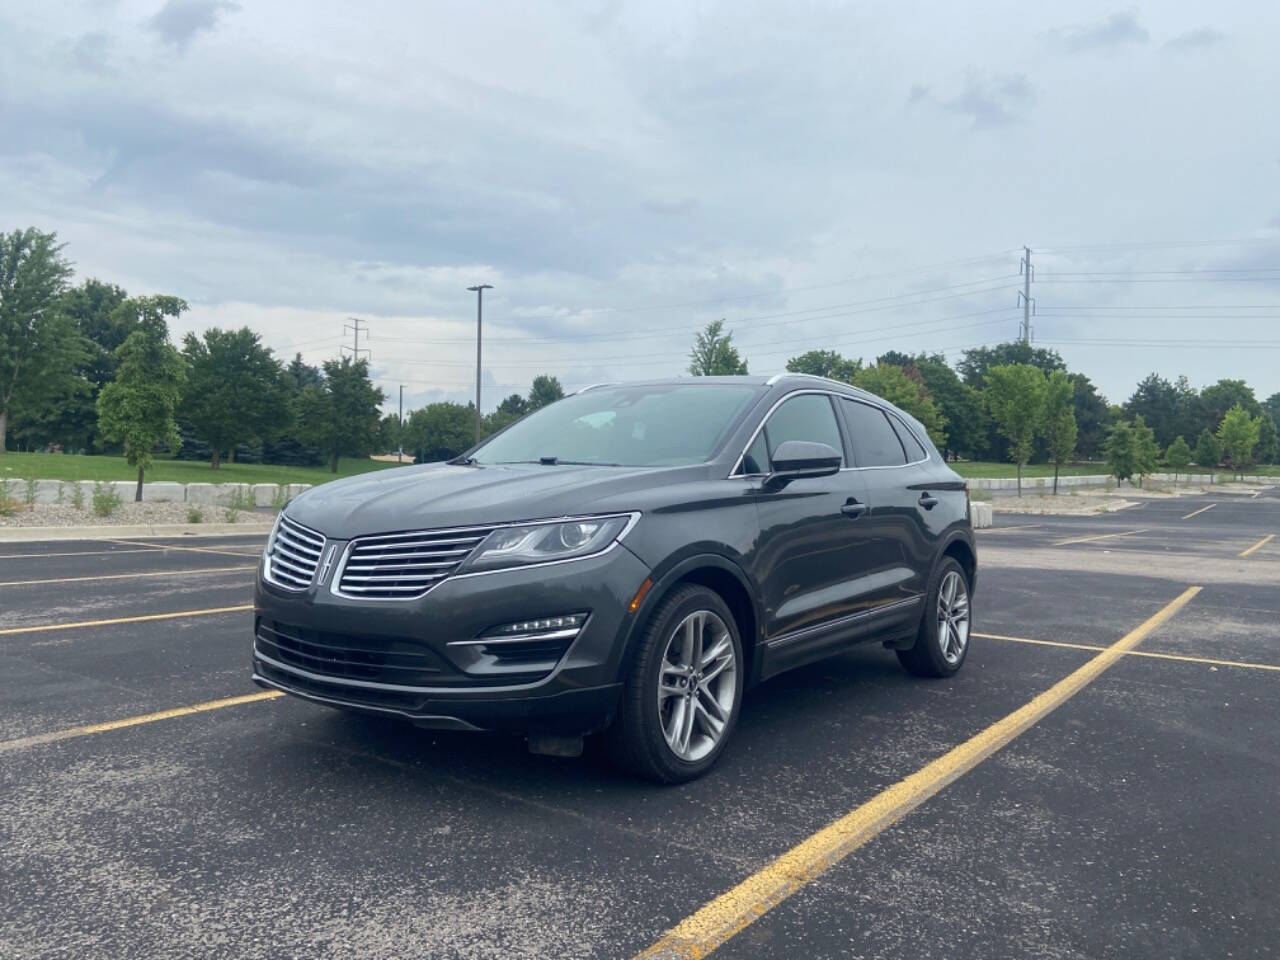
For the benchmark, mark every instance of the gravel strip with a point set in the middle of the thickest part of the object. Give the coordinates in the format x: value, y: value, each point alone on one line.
x: 127, y: 514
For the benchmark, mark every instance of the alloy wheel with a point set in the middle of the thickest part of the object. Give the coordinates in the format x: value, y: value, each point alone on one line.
x: 697, y: 685
x: 953, y: 617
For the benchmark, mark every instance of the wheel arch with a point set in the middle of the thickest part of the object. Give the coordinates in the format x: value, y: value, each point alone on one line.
x: 721, y: 575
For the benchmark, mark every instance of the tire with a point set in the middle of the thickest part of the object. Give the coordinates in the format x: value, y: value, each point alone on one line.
x: 674, y: 731
x: 943, y: 640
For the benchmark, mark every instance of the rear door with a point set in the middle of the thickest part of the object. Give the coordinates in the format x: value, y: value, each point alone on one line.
x: 811, y: 558
x: 891, y: 477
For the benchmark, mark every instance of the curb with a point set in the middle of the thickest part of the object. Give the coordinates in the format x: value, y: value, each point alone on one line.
x: 107, y: 532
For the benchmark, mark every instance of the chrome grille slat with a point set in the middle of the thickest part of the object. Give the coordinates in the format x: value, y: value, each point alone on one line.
x: 294, y: 555
x: 404, y: 566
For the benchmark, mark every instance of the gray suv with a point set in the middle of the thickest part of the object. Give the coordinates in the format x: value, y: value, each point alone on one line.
x: 625, y: 561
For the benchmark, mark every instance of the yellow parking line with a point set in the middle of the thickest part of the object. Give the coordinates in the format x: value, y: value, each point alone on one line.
x: 1196, y: 513
x: 69, y: 733
x: 130, y: 576
x: 76, y: 553
x: 45, y: 627
x: 1259, y: 545
x: 1103, y: 536
x: 170, y: 546
x: 733, y: 911
x: 1133, y: 653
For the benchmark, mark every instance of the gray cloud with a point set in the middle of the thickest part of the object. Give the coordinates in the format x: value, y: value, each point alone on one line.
x: 1115, y: 31
x: 178, y: 21
x: 992, y: 101
x: 1193, y: 40
x: 89, y: 52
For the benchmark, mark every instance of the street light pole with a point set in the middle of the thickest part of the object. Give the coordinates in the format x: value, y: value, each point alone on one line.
x: 400, y: 444
x: 479, y: 292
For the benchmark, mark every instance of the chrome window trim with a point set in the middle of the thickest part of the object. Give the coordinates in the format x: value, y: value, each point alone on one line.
x: 839, y: 396
x: 346, y: 552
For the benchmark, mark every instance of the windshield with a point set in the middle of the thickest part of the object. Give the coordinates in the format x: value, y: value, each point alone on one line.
x: 634, y: 426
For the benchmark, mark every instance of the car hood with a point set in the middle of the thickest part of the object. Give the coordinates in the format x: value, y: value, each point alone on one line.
x: 452, y: 495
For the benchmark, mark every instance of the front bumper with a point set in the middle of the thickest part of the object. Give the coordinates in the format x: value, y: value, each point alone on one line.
x: 456, y: 686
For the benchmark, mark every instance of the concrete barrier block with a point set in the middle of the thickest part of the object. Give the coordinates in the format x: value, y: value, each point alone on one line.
x: 981, y: 514
x: 265, y: 493
x: 202, y: 492
x: 46, y: 491
x: 164, y: 491
x: 298, y: 488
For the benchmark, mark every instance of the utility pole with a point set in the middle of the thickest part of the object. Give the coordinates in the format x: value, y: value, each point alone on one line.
x: 479, y: 290
x: 356, y: 329
x: 400, y: 443
x: 1024, y: 295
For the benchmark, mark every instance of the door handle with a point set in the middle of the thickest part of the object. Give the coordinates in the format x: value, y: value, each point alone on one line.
x: 853, y: 509
x: 927, y: 501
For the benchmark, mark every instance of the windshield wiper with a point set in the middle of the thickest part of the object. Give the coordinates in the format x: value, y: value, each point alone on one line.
x: 462, y: 461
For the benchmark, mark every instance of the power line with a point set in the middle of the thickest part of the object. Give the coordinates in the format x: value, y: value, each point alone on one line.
x: 355, y: 328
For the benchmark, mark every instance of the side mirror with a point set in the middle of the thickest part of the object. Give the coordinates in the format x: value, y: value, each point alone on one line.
x: 797, y: 459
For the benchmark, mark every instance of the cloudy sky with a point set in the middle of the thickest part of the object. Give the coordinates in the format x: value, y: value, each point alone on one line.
x: 855, y: 176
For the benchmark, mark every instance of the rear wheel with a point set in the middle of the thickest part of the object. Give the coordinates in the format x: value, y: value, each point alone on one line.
x: 681, y: 698
x: 943, y: 640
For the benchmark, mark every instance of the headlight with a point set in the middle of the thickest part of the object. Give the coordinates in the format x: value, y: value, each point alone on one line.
x: 542, y: 542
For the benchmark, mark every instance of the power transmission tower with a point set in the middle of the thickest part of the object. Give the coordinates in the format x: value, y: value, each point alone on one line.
x: 356, y: 329
x: 1024, y: 295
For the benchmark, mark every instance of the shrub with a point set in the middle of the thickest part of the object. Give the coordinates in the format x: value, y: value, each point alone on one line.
x: 29, y: 496
x: 105, y: 499
x: 195, y: 515
x: 240, y: 498
x: 77, y: 496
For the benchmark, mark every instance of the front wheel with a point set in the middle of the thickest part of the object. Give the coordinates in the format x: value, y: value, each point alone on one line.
x: 682, y: 695
x: 943, y: 640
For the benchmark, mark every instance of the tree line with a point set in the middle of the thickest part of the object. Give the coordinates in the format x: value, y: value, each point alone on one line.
x: 89, y: 368
x: 1018, y: 402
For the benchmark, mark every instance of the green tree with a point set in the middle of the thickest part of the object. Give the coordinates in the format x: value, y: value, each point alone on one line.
x: 1059, y: 421
x: 340, y: 416
x: 40, y: 347
x: 1156, y: 400
x: 1092, y: 416
x: 1238, y: 435
x: 825, y: 363
x: 390, y: 435
x: 1178, y: 456
x: 1015, y: 397
x: 137, y: 409
x: 713, y: 353
x: 1146, y: 452
x: 1208, y: 451
x: 545, y: 389
x: 892, y: 384
x: 92, y: 305
x: 235, y: 390
x: 1272, y: 406
x: 1120, y: 450
x: 1268, y: 442
x: 1216, y: 399
x: 965, y: 424
x: 975, y: 363
x: 440, y: 431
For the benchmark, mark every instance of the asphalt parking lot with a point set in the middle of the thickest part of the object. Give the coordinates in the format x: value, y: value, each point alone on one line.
x: 1136, y: 817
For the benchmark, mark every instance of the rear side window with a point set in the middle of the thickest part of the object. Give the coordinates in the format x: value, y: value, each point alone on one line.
x: 806, y: 417
x: 874, y: 442
x: 915, y: 452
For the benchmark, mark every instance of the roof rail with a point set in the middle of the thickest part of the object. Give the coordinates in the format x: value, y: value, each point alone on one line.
x: 808, y: 376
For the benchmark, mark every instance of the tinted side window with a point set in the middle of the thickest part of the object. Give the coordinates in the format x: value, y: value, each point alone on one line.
x: 806, y: 417
x: 874, y: 442
x: 756, y: 459
x: 914, y: 450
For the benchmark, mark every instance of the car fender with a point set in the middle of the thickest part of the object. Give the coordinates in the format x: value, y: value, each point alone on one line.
x: 667, y: 575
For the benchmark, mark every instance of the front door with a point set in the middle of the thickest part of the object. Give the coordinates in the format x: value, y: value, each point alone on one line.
x: 811, y: 559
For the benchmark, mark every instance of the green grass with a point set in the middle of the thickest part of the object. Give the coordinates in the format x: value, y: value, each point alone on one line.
x: 981, y: 468
x: 58, y: 466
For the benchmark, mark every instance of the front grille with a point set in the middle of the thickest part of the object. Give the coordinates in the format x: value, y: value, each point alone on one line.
x: 402, y: 566
x: 361, y: 696
x: 390, y: 660
x: 294, y: 555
